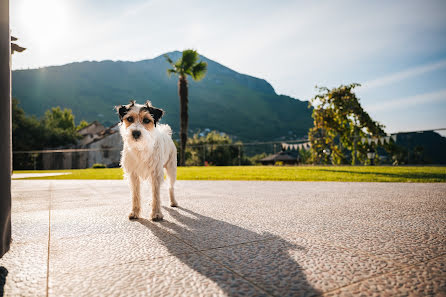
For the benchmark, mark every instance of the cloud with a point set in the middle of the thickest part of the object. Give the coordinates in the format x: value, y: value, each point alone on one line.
x: 437, y: 96
x: 402, y: 75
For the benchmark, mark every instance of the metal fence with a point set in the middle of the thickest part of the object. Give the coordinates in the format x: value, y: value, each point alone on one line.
x: 202, y: 154
x: 196, y: 154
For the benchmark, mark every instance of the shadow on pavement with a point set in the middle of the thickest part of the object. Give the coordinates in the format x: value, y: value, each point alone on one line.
x: 263, y: 259
x: 413, y: 175
x: 3, y: 274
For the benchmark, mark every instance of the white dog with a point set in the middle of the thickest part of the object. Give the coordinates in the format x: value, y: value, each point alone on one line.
x: 148, y: 148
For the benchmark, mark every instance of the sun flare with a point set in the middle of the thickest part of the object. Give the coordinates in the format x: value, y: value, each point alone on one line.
x: 44, y: 22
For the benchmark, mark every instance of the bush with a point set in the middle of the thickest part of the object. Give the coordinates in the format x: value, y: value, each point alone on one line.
x: 255, y: 159
x: 98, y: 165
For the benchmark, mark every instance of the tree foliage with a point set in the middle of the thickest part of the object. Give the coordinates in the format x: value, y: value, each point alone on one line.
x: 339, y: 124
x: 188, y: 64
x: 59, y: 127
x: 27, y: 132
x: 56, y: 129
x: 82, y: 125
x: 214, y: 149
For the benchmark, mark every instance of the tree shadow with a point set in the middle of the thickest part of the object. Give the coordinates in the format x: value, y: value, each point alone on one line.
x: 408, y: 175
x: 262, y: 259
x: 3, y: 274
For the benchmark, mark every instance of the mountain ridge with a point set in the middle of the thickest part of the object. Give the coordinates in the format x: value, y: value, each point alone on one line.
x: 225, y: 100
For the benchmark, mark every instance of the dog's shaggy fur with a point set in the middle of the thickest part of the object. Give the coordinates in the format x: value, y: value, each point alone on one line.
x: 148, y: 148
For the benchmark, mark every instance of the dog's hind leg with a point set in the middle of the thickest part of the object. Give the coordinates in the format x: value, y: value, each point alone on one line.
x: 171, y: 170
x: 136, y: 196
x: 156, y: 179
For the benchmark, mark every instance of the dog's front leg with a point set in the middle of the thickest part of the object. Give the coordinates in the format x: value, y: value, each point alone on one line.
x: 136, y: 197
x: 157, y: 179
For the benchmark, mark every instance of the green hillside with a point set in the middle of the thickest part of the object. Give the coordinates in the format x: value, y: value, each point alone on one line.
x: 227, y: 101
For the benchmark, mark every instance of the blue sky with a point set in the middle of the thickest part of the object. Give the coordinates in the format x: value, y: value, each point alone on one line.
x: 395, y: 49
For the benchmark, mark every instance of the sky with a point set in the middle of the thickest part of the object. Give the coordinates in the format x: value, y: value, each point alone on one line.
x: 395, y: 49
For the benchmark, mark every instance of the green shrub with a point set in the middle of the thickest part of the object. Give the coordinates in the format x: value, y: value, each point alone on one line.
x: 98, y: 165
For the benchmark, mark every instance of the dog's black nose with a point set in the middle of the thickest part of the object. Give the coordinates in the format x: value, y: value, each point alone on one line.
x: 136, y: 134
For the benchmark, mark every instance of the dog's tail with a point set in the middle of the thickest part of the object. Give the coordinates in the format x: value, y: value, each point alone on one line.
x: 164, y: 128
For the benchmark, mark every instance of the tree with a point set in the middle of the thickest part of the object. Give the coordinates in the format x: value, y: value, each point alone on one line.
x: 27, y: 132
x: 339, y: 124
x: 59, y: 127
x: 188, y: 64
x: 216, y: 149
x: 82, y: 125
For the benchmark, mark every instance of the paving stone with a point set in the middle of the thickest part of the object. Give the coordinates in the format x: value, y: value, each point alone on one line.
x: 204, y: 232
x: 30, y: 200
x: 424, y: 279
x: 24, y: 269
x: 405, y: 247
x: 143, y: 240
x: 29, y: 226
x: 298, y: 265
x: 183, y: 275
x: 68, y: 223
x: 228, y: 238
x: 433, y: 222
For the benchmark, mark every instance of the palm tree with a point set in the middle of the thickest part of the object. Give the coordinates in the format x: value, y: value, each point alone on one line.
x: 188, y: 64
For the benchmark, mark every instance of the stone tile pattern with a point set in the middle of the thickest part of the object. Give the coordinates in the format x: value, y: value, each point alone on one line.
x: 228, y: 238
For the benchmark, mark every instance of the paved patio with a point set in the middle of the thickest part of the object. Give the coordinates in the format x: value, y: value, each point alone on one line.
x: 228, y: 238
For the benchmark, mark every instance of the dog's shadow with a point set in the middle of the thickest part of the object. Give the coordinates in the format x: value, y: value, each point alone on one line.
x: 262, y: 259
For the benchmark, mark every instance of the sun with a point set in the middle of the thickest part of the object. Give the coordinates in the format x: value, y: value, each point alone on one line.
x: 44, y: 21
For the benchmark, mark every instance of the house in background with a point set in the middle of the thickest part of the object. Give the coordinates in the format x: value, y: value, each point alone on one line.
x: 97, y: 145
x: 89, y: 132
x: 106, y: 147
x: 284, y: 157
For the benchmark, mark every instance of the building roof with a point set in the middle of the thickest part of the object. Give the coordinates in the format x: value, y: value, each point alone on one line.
x: 280, y: 156
x: 101, y: 135
x: 96, y: 123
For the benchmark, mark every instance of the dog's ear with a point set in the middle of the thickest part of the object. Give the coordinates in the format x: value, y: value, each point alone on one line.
x: 122, y: 111
x: 156, y: 113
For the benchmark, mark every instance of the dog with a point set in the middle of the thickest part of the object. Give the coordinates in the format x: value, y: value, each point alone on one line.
x: 148, y: 148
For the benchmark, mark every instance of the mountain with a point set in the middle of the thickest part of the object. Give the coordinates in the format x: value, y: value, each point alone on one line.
x: 423, y: 147
x: 225, y: 100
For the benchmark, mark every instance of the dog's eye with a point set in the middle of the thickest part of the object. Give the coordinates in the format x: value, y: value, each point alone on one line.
x: 130, y: 119
x: 146, y: 121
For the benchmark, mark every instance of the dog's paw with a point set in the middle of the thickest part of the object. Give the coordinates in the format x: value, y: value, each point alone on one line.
x: 156, y: 217
x: 133, y: 216
x: 174, y: 204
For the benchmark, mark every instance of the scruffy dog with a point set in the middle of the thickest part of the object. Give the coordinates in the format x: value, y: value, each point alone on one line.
x: 148, y: 148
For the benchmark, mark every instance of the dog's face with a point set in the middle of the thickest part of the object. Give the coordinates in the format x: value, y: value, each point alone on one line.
x: 138, y: 123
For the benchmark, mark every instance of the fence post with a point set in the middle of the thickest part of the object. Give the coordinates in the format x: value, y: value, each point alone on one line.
x: 204, y: 154
x: 355, y: 156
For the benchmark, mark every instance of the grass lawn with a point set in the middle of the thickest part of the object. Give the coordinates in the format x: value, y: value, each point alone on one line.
x: 299, y: 173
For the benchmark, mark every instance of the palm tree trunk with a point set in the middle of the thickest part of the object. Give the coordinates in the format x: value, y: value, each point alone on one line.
x: 184, y: 117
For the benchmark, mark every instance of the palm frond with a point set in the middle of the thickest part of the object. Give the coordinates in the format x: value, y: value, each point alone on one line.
x: 199, y: 70
x: 188, y: 71
x: 168, y: 59
x: 189, y: 58
x: 178, y: 64
x: 171, y: 71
